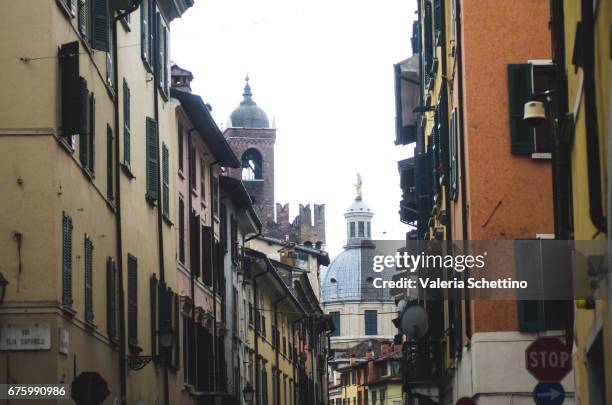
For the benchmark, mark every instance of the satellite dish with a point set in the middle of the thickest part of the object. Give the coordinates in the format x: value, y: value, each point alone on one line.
x: 414, y: 323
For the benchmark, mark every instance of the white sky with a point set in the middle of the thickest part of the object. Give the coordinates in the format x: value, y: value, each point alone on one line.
x: 323, y: 70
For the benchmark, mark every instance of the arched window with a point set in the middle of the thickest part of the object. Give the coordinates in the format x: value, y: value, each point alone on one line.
x: 251, y: 165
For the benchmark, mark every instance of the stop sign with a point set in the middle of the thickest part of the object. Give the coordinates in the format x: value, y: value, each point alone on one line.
x: 548, y: 359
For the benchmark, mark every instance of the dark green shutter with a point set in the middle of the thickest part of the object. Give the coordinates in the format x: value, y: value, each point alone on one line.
x: 89, y: 315
x: 437, y: 16
x: 519, y: 91
x: 132, y: 298
x: 85, y: 126
x: 422, y: 170
x: 153, y: 295
x: 111, y: 298
x: 428, y: 41
x: 166, y: 180
x: 527, y: 257
x: 181, y: 230
x: 100, y: 24
x: 207, y: 251
x: 92, y: 133
x: 70, y: 88
x: 194, y: 242
x: 109, y: 163
x: 180, y: 147
x: 66, y: 260
x: 126, y: 123
x: 177, y: 334
x: 152, y: 159
x: 144, y: 30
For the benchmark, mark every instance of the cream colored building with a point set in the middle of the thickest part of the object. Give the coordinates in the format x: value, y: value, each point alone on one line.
x: 90, y: 260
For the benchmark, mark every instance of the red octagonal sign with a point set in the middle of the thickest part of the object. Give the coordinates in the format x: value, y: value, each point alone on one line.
x: 548, y: 359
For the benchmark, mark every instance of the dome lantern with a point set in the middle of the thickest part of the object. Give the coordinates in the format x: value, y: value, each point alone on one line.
x: 358, y: 217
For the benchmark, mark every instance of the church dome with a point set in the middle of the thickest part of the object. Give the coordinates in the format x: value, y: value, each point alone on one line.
x: 350, y: 276
x: 358, y: 206
x: 248, y: 114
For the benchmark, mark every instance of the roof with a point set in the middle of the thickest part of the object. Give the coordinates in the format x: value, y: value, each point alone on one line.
x: 239, y: 196
x: 350, y: 276
x: 203, y: 122
x: 322, y: 255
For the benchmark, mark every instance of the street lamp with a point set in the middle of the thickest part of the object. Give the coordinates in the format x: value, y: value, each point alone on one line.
x: 247, y: 393
x: 3, y: 283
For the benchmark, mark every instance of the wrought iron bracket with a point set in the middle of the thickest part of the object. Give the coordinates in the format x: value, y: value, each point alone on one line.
x: 135, y: 363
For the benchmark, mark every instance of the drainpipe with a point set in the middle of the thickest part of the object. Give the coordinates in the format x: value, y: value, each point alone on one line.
x: 464, y: 211
x: 591, y: 121
x: 257, y: 333
x: 277, y: 348
x: 118, y: 231
x: 192, y: 275
x: 214, y: 282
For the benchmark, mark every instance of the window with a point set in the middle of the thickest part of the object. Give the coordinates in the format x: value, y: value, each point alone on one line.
x: 88, y: 262
x: 93, y: 20
x: 87, y: 140
x: 83, y: 18
x: 152, y: 159
x: 428, y: 42
x: 66, y: 259
x: 132, y: 300
x: 154, y: 286
x: 74, y: 93
x: 111, y: 298
x: 251, y: 165
x: 360, y: 229
x: 194, y: 243
x: 371, y: 322
x: 109, y: 163
x: 146, y: 33
x: 335, y: 316
x: 454, y: 169
x: 165, y: 181
x: 189, y: 352
x: 437, y: 16
x: 162, y: 51
x: 369, y: 229
x: 181, y: 229
x: 352, y: 230
x: 202, y: 178
x: 215, y: 195
x: 126, y: 124
x: 234, y: 239
x: 180, y: 147
x: 207, y: 240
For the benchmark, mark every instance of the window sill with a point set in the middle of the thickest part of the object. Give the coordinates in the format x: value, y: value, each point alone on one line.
x: 90, y: 326
x: 126, y: 25
x: 88, y: 173
x: 63, y: 141
x: 152, y: 201
x: 541, y: 156
x: 134, y: 348
x: 68, y: 310
x: 203, y: 203
x: 167, y: 220
x: 125, y: 168
x: 194, y: 192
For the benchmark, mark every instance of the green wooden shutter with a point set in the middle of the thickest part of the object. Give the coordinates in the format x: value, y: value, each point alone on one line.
x: 109, y: 163
x: 423, y: 181
x: 152, y: 159
x: 70, y: 88
x: 100, y: 24
x: 437, y: 16
x: 181, y: 230
x: 132, y: 298
x: 165, y: 180
x: 89, y: 315
x: 176, y: 328
x: 428, y: 41
x: 85, y: 127
x: 167, y: 60
x: 207, y: 251
x: 519, y: 91
x: 144, y: 30
x: 66, y: 259
x: 194, y: 242
x: 126, y: 123
x: 91, y: 161
x: 153, y: 308
x: 111, y: 298
x: 527, y: 257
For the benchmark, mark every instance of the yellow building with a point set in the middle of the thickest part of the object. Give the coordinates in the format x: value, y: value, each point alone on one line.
x: 589, y: 73
x: 89, y: 260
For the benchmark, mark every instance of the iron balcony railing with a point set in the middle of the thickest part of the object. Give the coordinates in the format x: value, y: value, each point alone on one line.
x: 422, y: 361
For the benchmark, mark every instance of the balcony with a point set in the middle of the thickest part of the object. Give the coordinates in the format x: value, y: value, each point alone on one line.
x: 422, y: 362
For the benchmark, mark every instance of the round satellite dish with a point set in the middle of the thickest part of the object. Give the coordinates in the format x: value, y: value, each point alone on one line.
x: 414, y: 322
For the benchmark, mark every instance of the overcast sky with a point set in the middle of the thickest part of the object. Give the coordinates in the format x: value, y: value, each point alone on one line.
x: 323, y: 71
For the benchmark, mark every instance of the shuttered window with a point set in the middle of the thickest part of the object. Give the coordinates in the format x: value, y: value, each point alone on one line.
x: 126, y: 124
x: 437, y: 16
x: 109, y: 163
x: 215, y: 195
x: 83, y: 19
x: 100, y: 25
x: 87, y: 139
x: 207, y: 253
x: 145, y: 32
x: 88, y: 261
x: 165, y: 180
x: 454, y: 167
x: 194, y: 242
x: 202, y: 177
x: 519, y: 91
x: 180, y: 147
x: 335, y: 316
x: 162, y: 54
x: 152, y: 159
x: 66, y: 259
x: 193, y: 175
x: 371, y: 322
x: 234, y: 238
x: 176, y: 319
x: 181, y: 230
x: 428, y: 41
x: 132, y: 300
x: 111, y: 298
x: 70, y: 89
x: 153, y: 292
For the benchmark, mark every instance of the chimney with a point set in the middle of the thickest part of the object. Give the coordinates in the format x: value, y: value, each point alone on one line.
x: 181, y: 78
x: 384, y: 347
x: 353, y: 359
x: 287, y: 256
